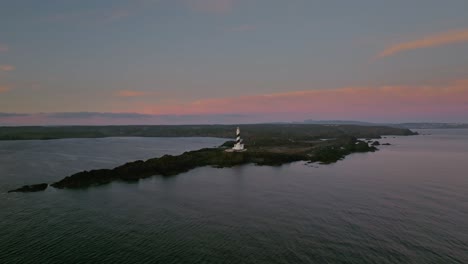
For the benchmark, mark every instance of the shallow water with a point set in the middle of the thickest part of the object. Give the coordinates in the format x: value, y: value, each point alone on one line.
x: 407, y: 203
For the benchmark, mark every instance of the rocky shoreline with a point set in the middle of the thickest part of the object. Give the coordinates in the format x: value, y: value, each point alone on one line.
x: 325, y: 152
x: 31, y: 188
x: 268, y: 145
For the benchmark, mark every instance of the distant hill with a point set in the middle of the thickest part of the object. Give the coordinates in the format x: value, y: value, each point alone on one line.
x: 339, y: 122
x: 430, y: 125
x: 250, y: 132
x: 414, y: 125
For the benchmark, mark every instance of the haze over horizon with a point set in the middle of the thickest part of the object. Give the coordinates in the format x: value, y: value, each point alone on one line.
x: 232, y: 61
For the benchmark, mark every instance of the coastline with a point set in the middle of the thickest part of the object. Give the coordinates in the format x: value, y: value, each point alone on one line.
x: 168, y: 165
x: 268, y: 145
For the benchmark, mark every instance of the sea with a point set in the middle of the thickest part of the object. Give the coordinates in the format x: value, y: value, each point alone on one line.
x: 406, y: 203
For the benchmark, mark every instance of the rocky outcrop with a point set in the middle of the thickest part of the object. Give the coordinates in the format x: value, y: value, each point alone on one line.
x: 31, y: 188
x: 325, y: 152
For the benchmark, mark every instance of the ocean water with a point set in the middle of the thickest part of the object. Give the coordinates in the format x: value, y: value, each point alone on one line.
x: 407, y: 203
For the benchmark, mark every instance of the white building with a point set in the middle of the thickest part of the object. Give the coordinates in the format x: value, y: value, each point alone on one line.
x: 239, y: 146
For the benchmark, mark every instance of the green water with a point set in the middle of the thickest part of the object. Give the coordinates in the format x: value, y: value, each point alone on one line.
x: 407, y: 203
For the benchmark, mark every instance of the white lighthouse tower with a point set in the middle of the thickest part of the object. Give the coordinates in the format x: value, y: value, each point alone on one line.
x: 239, y: 146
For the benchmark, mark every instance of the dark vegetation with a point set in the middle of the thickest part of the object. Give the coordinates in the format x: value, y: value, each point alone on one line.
x: 31, y: 188
x: 168, y: 165
x: 271, y: 145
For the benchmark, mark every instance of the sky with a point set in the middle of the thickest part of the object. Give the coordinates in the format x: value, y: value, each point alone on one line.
x: 232, y: 61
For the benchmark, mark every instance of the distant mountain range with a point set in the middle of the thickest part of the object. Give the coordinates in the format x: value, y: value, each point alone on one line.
x: 414, y: 125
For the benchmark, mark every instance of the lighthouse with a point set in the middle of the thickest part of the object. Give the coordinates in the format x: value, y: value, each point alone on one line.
x: 239, y: 146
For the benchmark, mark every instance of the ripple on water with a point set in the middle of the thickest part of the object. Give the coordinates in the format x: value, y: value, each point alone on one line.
x: 404, y: 204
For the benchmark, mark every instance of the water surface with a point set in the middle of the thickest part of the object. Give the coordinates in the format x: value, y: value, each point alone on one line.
x: 407, y: 203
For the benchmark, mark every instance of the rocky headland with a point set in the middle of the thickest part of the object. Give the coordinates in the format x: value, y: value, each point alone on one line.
x: 268, y: 148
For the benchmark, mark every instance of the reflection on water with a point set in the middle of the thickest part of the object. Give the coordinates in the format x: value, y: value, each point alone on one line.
x: 404, y: 204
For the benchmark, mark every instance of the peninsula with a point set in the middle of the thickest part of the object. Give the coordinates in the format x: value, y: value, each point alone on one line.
x: 271, y: 145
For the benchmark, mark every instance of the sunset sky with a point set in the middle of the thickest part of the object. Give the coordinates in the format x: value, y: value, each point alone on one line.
x: 232, y: 61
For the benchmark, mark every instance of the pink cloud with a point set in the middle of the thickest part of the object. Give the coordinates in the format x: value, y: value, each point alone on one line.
x: 436, y: 40
x: 4, y: 47
x: 4, y: 88
x: 131, y: 93
x: 348, y: 102
x: 211, y: 6
x: 6, y: 67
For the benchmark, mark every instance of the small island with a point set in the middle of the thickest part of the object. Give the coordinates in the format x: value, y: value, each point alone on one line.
x: 268, y: 145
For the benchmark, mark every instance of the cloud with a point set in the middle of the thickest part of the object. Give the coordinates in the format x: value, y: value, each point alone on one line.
x: 4, y: 88
x: 444, y: 102
x: 84, y: 115
x: 118, y: 14
x: 210, y: 6
x: 243, y: 28
x: 4, y: 47
x: 436, y: 40
x: 6, y: 67
x: 100, y: 15
x: 131, y: 93
x: 108, y: 15
x: 362, y: 103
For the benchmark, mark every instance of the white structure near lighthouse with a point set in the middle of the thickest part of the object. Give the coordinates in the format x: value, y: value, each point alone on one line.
x: 238, y: 146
